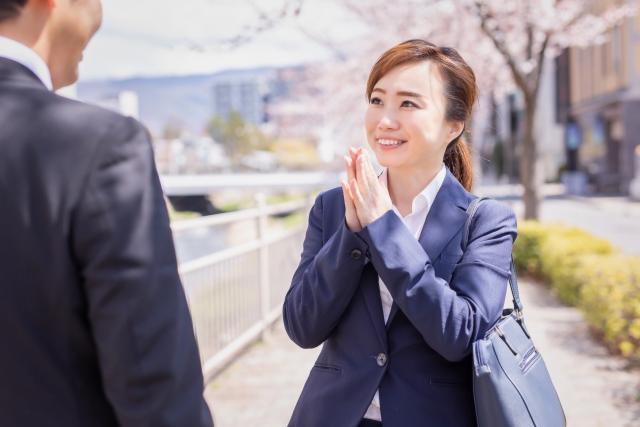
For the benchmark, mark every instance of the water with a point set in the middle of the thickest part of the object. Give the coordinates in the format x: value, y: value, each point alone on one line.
x: 200, y: 242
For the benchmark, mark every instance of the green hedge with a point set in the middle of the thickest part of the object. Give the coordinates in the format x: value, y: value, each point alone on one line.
x: 588, y: 273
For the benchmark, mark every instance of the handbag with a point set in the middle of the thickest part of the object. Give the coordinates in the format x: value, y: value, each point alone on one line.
x: 511, y: 384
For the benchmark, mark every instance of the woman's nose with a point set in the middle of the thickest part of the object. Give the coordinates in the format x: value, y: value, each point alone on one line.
x: 388, y: 122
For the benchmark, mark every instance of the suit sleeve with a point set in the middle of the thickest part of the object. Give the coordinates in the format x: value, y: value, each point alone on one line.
x: 450, y: 316
x: 324, y: 283
x: 137, y: 308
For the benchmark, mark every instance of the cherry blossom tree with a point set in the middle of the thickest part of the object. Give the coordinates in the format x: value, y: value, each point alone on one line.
x: 524, y: 32
x: 504, y: 41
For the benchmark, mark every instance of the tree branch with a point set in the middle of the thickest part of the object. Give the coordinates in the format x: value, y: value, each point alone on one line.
x: 538, y: 70
x: 266, y: 22
x: 502, y: 48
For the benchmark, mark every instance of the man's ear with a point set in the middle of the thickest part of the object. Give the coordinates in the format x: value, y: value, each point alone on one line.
x: 455, y: 130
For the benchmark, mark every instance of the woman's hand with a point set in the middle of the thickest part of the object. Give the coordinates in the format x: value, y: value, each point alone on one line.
x: 370, y: 197
x: 353, y: 223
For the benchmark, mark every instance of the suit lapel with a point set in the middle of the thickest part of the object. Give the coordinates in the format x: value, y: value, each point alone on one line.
x: 371, y: 292
x: 446, y: 217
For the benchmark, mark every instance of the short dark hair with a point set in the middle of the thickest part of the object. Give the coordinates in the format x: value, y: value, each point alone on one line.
x: 10, y: 8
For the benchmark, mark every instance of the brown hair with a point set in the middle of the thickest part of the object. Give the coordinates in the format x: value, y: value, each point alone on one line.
x: 460, y: 91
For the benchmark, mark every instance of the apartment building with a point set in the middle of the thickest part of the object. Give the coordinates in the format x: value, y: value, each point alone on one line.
x: 598, y: 95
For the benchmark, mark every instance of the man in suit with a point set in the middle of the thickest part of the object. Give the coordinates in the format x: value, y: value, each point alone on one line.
x: 94, y: 325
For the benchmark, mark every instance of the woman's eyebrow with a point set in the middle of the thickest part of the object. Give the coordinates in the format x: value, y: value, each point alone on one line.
x: 413, y: 94
x: 400, y: 93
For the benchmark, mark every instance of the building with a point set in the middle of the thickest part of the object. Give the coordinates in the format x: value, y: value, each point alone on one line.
x: 498, y: 129
x: 187, y: 103
x: 599, y: 102
x: 125, y: 103
x: 250, y: 93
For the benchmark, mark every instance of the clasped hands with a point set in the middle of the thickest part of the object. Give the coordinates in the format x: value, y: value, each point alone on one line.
x: 365, y: 198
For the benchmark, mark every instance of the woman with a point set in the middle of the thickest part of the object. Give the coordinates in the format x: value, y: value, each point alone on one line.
x: 383, y: 282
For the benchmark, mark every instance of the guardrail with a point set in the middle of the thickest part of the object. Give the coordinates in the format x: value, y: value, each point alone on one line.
x: 235, y: 295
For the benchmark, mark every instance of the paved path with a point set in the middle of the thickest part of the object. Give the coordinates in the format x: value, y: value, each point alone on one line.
x: 260, y: 389
x: 594, y: 388
x: 616, y: 219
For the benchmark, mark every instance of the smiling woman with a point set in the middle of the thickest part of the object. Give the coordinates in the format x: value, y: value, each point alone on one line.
x: 434, y: 91
x: 385, y: 282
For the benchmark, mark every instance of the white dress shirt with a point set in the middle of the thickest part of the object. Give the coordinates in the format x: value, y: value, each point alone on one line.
x: 414, y: 222
x: 21, y: 54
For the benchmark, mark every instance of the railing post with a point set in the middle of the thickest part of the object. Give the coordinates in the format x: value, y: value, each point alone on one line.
x: 265, y: 287
x: 309, y: 205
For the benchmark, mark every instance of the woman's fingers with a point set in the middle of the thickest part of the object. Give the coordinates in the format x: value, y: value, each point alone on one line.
x: 353, y: 152
x: 351, y: 173
x: 361, y: 174
x: 357, y: 198
x: 351, y: 216
x: 372, y: 178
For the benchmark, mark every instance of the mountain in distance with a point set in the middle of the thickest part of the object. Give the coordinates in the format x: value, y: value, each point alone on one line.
x: 183, y: 102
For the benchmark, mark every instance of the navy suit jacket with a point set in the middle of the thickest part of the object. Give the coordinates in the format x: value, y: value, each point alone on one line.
x: 444, y: 300
x: 94, y: 324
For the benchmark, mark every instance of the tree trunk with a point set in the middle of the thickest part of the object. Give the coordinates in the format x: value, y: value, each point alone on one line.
x: 529, y: 164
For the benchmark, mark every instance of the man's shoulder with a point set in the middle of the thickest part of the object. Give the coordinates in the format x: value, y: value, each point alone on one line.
x: 62, y: 137
x: 45, y: 112
x: 72, y: 116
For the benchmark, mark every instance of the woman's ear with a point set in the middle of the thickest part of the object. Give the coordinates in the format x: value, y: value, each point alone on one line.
x: 455, y: 130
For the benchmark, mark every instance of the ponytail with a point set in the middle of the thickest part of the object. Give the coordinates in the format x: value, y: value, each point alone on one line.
x: 458, y: 159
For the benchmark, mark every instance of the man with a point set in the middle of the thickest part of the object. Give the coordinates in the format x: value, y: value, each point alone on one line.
x: 94, y: 325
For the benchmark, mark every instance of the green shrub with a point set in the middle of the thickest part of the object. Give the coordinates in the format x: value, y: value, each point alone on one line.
x: 588, y: 273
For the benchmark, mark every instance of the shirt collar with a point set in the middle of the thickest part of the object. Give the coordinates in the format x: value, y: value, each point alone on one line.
x: 428, y: 194
x: 21, y: 54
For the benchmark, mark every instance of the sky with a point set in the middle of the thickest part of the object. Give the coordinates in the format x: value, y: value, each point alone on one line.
x: 165, y: 37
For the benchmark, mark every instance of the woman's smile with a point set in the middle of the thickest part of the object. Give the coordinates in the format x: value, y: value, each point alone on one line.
x: 390, y: 144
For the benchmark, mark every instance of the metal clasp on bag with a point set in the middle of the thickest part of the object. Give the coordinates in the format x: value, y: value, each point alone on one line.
x: 504, y: 338
x: 518, y: 314
x: 520, y: 320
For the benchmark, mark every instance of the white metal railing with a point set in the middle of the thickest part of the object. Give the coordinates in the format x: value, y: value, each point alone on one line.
x: 236, y: 294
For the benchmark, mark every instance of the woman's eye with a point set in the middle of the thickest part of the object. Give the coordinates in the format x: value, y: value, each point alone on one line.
x: 376, y: 101
x: 408, y: 104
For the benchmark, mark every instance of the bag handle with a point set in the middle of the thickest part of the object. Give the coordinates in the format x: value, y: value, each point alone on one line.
x: 513, y: 280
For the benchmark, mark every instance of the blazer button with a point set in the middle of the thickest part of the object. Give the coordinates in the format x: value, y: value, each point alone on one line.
x: 356, y: 254
x: 381, y: 359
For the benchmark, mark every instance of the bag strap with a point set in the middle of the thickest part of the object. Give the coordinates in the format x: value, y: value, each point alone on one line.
x: 513, y: 280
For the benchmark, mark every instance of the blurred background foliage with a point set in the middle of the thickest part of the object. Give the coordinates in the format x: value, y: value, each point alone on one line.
x: 588, y: 273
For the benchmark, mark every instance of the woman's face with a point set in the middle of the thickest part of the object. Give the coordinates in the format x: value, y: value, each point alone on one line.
x: 405, y: 120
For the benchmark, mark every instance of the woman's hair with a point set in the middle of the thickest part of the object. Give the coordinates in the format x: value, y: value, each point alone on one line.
x: 10, y: 8
x: 460, y: 91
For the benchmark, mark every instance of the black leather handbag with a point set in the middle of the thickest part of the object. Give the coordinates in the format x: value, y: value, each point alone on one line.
x: 511, y: 384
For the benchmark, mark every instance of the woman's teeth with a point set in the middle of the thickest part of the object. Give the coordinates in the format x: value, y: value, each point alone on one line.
x: 389, y: 142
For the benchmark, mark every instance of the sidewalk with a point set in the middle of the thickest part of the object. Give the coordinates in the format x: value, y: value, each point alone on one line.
x: 261, y: 388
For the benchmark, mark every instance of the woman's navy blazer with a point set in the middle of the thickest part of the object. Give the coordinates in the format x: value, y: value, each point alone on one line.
x: 444, y: 300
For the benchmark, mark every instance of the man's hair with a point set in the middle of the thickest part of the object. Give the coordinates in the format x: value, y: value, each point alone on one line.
x: 10, y: 8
